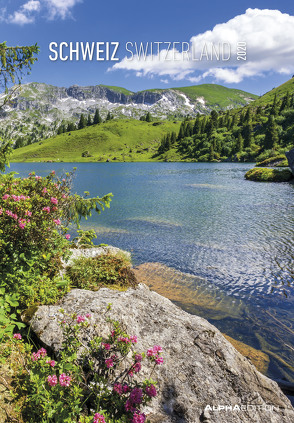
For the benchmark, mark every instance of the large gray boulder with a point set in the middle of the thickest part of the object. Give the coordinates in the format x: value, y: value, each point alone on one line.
x: 290, y: 157
x: 202, y: 371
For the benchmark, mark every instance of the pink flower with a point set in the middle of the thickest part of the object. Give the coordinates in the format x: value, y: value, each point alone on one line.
x: 52, y: 380
x: 35, y: 356
x: 106, y: 346
x: 42, y: 352
x: 17, y: 336
x: 38, y: 177
x: 53, y: 172
x: 5, y: 196
x: 159, y: 360
x: 125, y: 388
x: 138, y: 357
x: 118, y: 388
x: 64, y: 380
x: 98, y: 418
x: 88, y: 315
x: 136, y: 396
x: 137, y: 367
x: 138, y: 417
x: 47, y: 209
x: 44, y: 190
x: 81, y: 319
x: 133, y: 339
x: 109, y: 363
x: 54, y: 200
x: 28, y: 213
x: 151, y: 391
x: 51, y: 362
x: 1, y: 211
x: 57, y: 221
x: 67, y: 236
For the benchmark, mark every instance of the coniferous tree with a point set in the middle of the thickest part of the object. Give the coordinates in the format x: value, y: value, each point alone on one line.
x: 108, y: 117
x: 97, y: 118
x: 89, y: 121
x: 271, y: 136
x: 240, y: 143
x: 148, y: 117
x: 181, y: 133
x: 82, y: 122
x: 196, y: 127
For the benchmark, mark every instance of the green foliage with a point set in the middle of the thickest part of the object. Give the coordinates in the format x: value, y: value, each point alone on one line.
x: 90, y: 376
x: 104, y: 270
x: 15, y: 62
x: 248, y: 134
x: 269, y: 175
x: 114, y: 138
x: 9, y: 304
x: 35, y: 214
x: 274, y: 161
x: 85, y: 238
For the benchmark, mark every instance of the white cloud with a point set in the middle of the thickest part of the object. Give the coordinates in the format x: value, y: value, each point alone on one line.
x: 32, y: 6
x: 269, y: 35
x: 164, y: 81
x: 20, y: 18
x: 29, y: 11
x: 60, y: 8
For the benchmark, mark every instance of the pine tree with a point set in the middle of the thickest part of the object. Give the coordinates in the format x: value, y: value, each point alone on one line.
x: 148, y: 117
x: 89, y: 121
x: 271, y: 139
x: 108, y: 117
x: 196, y: 127
x: 181, y: 133
x: 173, y: 138
x: 248, y: 136
x: 97, y: 118
x: 83, y: 122
x: 240, y: 143
x: 274, y: 109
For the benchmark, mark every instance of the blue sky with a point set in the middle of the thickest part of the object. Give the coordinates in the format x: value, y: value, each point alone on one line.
x: 267, y: 27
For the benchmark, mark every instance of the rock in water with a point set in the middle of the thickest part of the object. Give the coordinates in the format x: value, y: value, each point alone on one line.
x: 202, y: 371
x: 290, y: 157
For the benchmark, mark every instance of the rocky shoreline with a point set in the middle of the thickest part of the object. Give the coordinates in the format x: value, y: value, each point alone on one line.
x: 204, y: 378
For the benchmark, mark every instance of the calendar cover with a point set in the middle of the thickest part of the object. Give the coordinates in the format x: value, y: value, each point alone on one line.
x: 176, y: 223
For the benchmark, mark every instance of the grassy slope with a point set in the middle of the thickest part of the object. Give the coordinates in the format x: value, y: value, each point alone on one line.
x: 214, y: 94
x: 129, y: 140
x: 281, y: 91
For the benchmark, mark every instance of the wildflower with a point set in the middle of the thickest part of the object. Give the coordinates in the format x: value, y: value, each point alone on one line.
x: 118, y: 388
x: 138, y: 417
x: 159, y: 360
x: 52, y: 380
x: 109, y: 363
x: 17, y: 336
x: 133, y: 339
x: 67, y: 236
x: 47, y: 209
x: 136, y: 396
x: 125, y: 388
x: 54, y: 200
x: 137, y: 367
x: 28, y: 213
x: 151, y: 391
x: 35, y: 356
x: 88, y: 315
x: 64, y: 380
x: 51, y: 362
x: 57, y: 221
x: 81, y: 319
x: 42, y: 352
x: 53, y: 172
x: 44, y: 190
x: 98, y: 418
x: 5, y: 196
x: 106, y: 346
x: 138, y: 357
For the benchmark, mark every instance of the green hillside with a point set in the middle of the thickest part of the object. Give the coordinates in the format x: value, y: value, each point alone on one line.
x: 280, y: 92
x: 214, y: 95
x: 116, y: 140
x: 256, y: 132
x: 217, y: 94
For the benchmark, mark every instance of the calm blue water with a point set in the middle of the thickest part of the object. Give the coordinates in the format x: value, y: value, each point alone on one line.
x: 206, y: 220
